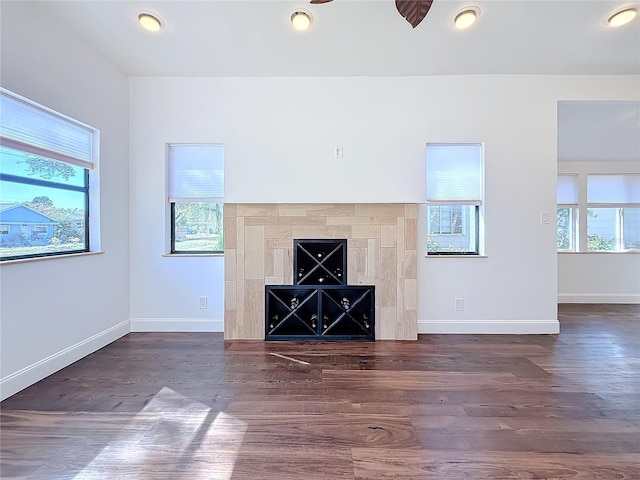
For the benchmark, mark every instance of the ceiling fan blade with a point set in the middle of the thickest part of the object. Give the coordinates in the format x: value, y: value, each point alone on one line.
x: 318, y: 2
x: 413, y: 10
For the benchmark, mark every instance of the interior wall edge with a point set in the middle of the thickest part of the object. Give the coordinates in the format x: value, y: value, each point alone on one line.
x: 23, y: 378
x: 503, y: 327
x: 177, y: 325
x: 620, y: 298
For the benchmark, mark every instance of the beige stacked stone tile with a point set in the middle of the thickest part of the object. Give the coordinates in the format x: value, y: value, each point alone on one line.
x: 381, y: 251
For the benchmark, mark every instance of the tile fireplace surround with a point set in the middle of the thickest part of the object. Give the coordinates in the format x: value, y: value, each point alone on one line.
x: 381, y: 251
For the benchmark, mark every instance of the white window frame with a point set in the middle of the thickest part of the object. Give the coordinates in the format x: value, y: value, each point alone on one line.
x: 193, y: 178
x: 615, y: 199
x: 568, y: 188
x: 439, y: 194
x: 450, y: 223
x: 32, y: 134
x: 582, y: 205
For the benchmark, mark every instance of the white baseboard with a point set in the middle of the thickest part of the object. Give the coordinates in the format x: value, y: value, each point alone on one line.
x: 489, y: 326
x: 599, y: 298
x: 13, y: 383
x: 176, y: 325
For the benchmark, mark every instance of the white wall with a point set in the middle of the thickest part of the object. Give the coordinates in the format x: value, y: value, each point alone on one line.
x: 280, y: 135
x: 165, y: 290
x: 55, y: 311
x: 598, y: 277
x: 277, y: 131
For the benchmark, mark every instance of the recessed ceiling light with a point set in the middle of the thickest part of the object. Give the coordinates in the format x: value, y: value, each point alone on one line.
x: 622, y: 17
x: 150, y: 22
x: 466, y: 17
x: 301, y: 19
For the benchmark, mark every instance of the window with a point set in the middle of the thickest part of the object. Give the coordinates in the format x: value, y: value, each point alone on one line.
x: 4, y: 229
x: 46, y: 160
x: 613, y: 212
x: 196, y: 193
x: 446, y: 220
x: 605, y: 217
x: 567, y: 212
x: 454, y: 198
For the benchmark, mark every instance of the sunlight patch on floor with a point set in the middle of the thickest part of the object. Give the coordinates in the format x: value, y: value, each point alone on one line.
x: 186, y: 438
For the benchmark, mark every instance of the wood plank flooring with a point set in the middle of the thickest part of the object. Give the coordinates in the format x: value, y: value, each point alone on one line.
x: 192, y: 406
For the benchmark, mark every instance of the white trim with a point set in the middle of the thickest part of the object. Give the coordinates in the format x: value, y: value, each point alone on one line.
x: 177, y: 325
x: 599, y: 298
x: 196, y: 199
x: 52, y: 116
x: 43, y: 152
x: 48, y: 257
x: 50, y: 111
x: 218, y: 254
x: 509, y: 327
x: 441, y: 255
x: 31, y: 374
x: 444, y: 203
x: 600, y: 252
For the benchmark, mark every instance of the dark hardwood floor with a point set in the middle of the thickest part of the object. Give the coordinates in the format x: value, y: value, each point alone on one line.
x: 192, y: 406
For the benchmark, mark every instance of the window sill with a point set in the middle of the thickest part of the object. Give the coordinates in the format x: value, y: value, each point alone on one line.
x: 603, y: 252
x: 51, y: 257
x: 193, y: 254
x: 455, y: 256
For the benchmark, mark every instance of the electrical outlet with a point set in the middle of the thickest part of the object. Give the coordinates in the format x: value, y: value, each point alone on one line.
x: 459, y: 304
x: 339, y: 152
x: 203, y: 302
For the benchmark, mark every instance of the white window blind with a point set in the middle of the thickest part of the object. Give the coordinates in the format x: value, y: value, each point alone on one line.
x: 29, y: 127
x: 454, y: 173
x: 620, y: 190
x: 196, y: 172
x: 568, y: 190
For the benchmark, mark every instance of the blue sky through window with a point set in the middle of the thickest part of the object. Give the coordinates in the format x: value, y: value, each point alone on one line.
x: 14, y: 162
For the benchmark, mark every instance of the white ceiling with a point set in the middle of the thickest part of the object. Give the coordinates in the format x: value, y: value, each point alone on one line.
x: 370, y: 38
x: 355, y: 38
